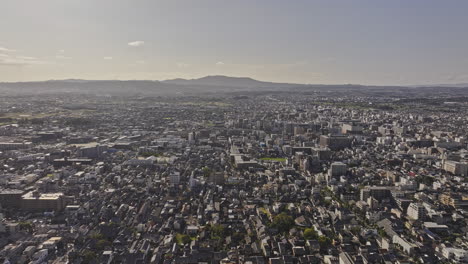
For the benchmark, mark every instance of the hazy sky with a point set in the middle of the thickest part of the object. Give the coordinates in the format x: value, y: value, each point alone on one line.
x: 305, y: 41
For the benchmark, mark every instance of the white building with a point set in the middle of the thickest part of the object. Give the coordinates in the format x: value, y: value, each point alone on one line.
x: 456, y: 168
x: 416, y: 211
x: 457, y: 255
x: 407, y: 246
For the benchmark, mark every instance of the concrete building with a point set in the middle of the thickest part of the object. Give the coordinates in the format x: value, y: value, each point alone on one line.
x: 335, y: 142
x: 405, y: 245
x: 217, y: 178
x: 345, y: 258
x: 337, y: 169
x: 13, y: 146
x: 351, y: 129
x: 35, y: 201
x: 174, y: 178
x: 416, y: 211
x: 454, y: 200
x: 377, y: 192
x: 456, y: 168
x: 456, y: 255
x: 10, y: 198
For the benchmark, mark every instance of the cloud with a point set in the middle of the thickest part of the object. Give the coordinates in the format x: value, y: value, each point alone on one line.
x: 137, y: 43
x: 3, y: 49
x: 220, y: 63
x: 9, y: 57
x: 137, y: 63
x: 108, y: 58
x: 182, y: 65
x: 20, y: 61
x: 62, y: 57
x: 26, y: 58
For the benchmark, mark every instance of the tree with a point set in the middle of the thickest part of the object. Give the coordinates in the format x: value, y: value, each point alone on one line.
x: 355, y: 230
x: 103, y: 243
x: 283, y: 222
x: 310, y: 233
x: 382, y: 232
x: 206, y: 171
x: 26, y: 226
x: 218, y: 232
x: 238, y: 237
x: 182, y: 239
x: 324, y: 241
x: 424, y: 179
x: 96, y: 236
x: 88, y: 256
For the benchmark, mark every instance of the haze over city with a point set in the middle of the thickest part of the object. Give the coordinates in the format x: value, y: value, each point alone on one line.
x: 312, y: 42
x: 233, y: 132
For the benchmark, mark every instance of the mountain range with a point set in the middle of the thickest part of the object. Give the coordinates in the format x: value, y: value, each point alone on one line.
x: 226, y: 81
x: 214, y: 85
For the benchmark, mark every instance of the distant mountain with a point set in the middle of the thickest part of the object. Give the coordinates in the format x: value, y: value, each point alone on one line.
x: 453, y: 85
x: 70, y: 81
x: 226, y: 81
x: 217, y: 85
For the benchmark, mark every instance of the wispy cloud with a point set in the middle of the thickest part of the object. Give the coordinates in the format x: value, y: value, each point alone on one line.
x: 182, y: 65
x: 220, y: 63
x: 20, y: 61
x: 138, y: 63
x: 10, y: 57
x: 3, y: 49
x: 26, y: 58
x: 62, y: 57
x: 137, y: 43
x: 108, y: 58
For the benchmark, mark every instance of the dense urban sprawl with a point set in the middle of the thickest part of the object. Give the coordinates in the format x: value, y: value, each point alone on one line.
x: 238, y: 178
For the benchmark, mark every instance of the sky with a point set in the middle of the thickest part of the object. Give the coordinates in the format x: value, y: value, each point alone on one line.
x: 379, y: 42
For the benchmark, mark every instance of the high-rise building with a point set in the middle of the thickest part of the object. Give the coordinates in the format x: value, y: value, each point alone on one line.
x: 11, y: 198
x: 456, y: 168
x: 191, y: 137
x: 416, y: 211
x: 378, y: 192
x: 351, y: 129
x: 217, y: 178
x: 335, y: 142
x: 337, y: 169
x: 35, y: 201
x: 174, y: 178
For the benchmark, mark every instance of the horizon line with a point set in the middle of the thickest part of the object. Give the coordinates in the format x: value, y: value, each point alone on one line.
x: 238, y: 77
